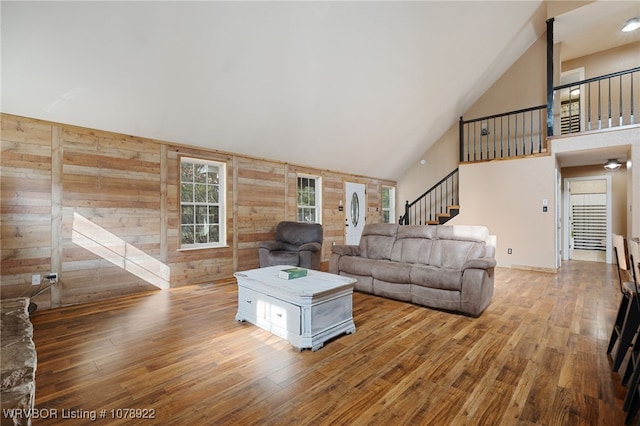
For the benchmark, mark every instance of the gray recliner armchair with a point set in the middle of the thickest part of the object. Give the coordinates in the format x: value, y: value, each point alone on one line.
x: 295, y: 244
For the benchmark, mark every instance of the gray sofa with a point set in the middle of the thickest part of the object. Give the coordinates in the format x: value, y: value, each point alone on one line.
x: 448, y: 267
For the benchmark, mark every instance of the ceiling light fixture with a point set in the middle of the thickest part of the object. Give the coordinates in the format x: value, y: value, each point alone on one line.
x: 612, y: 164
x: 631, y: 25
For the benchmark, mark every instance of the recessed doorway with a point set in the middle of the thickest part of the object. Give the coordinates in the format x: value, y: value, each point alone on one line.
x: 587, y: 218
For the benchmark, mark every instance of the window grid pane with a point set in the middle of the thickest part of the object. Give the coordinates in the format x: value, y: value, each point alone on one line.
x: 385, y: 198
x: 200, y: 200
x: 307, y: 199
x: 387, y: 204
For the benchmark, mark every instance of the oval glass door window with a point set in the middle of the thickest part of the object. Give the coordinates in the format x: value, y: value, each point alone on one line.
x: 355, y: 209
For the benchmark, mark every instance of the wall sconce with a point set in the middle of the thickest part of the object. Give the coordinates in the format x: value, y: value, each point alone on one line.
x: 612, y: 164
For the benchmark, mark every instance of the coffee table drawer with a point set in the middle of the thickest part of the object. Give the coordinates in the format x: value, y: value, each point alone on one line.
x: 268, y: 312
x: 248, y: 301
x: 285, y: 315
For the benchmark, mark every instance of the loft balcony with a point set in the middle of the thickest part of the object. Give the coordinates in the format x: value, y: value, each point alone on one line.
x: 600, y: 104
x: 608, y: 102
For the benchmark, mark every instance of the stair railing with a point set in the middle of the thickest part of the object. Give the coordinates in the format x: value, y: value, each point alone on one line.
x: 433, y: 203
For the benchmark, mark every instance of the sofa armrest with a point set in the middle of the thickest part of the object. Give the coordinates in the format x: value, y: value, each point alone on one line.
x: 479, y: 263
x: 346, y: 250
x: 271, y: 245
x: 313, y: 247
x: 337, y: 251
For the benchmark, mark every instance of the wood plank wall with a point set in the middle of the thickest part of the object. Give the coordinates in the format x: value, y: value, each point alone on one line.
x: 102, y: 210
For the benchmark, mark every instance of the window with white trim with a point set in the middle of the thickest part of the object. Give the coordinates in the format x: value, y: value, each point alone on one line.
x: 388, y: 204
x: 309, y: 199
x: 202, y: 203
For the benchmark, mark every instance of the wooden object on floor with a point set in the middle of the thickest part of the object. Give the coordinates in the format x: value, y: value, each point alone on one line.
x: 628, y: 317
x: 537, y: 355
x: 635, y: 352
x: 632, y: 398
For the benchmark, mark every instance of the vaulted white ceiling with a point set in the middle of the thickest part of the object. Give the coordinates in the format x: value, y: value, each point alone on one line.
x: 360, y: 87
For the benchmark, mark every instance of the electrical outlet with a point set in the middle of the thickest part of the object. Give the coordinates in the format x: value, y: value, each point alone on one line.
x: 509, y: 251
x: 52, y: 277
x: 35, y: 279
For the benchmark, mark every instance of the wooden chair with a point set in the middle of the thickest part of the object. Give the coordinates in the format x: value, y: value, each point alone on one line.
x: 628, y: 317
x: 634, y: 258
x: 632, y: 398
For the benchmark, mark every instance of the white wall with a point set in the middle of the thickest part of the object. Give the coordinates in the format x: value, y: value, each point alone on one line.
x: 507, y: 197
x: 443, y: 156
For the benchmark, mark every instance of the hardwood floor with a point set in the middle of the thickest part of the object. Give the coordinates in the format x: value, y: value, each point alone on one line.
x: 537, y: 355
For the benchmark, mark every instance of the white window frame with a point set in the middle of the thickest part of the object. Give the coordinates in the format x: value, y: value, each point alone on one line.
x: 317, y: 197
x: 392, y: 204
x: 200, y: 204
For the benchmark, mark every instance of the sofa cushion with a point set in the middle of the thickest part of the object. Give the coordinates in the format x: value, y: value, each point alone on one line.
x: 413, y: 244
x: 463, y: 232
x: 356, y: 265
x: 436, y: 298
x: 377, y: 240
x: 363, y: 283
x: 417, y: 231
x: 298, y: 233
x: 490, y: 246
x: 440, y: 278
x: 455, y: 244
x: 453, y: 254
x: 391, y: 272
x: 392, y: 290
x: 283, y: 258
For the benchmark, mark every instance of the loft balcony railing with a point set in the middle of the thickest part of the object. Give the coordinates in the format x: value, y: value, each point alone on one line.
x: 435, y: 205
x: 597, y: 103
x: 510, y: 134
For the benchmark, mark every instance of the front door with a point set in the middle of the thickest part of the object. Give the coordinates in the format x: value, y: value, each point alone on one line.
x: 356, y: 205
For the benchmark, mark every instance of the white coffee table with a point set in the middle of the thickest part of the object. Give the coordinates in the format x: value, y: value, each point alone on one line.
x: 306, y: 311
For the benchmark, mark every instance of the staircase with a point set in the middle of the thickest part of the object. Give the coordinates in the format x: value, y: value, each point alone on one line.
x: 436, y: 206
x: 441, y: 218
